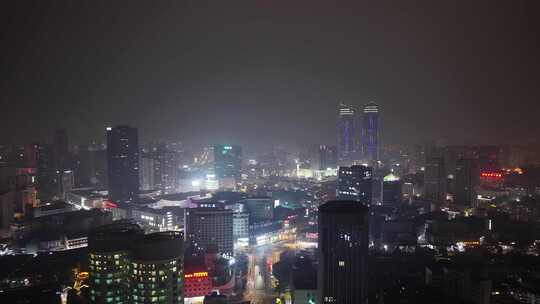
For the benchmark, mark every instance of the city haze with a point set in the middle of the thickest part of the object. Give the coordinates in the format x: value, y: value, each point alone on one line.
x: 253, y: 72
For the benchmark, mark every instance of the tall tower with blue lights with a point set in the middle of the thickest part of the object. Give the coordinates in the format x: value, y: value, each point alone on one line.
x: 370, y: 133
x: 347, y: 133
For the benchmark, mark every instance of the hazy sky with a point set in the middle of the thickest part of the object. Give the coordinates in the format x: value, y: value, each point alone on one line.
x: 257, y: 71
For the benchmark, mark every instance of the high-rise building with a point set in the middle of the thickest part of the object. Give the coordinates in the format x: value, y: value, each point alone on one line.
x: 110, y: 249
x: 343, y: 250
x: 323, y: 157
x: 260, y: 209
x: 123, y: 163
x: 61, y: 150
x: 348, y: 134
x: 240, y: 226
x: 127, y: 266
x: 165, y: 168
x: 48, y: 177
x: 92, y: 167
x: 391, y: 190
x: 228, y: 164
x: 355, y: 183
x: 370, y: 133
x: 158, y: 276
x: 435, y: 180
x: 467, y: 181
x: 209, y: 227
x: 147, y: 176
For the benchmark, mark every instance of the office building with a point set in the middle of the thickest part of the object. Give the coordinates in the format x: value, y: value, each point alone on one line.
x: 209, y: 227
x: 123, y: 163
x: 227, y: 165
x: 323, y: 157
x: 165, y: 168
x: 240, y: 226
x: 435, y: 180
x: 391, y: 189
x: 147, y: 176
x: 48, y: 178
x: 343, y: 249
x: 355, y: 183
x: 348, y: 134
x: 370, y: 133
x: 467, y: 181
x: 92, y: 168
x: 260, y: 209
x: 127, y: 266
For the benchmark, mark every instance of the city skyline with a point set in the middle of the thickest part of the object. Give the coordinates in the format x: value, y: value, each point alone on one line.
x: 269, y: 152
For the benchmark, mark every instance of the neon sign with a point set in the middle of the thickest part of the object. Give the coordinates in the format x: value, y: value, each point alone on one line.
x: 202, y: 274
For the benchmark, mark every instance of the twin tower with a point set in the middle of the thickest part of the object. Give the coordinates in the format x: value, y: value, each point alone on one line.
x: 358, y: 134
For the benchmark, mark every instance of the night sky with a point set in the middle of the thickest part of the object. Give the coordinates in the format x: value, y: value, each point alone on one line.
x: 267, y: 72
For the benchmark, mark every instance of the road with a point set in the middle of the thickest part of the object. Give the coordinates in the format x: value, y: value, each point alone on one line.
x: 260, y: 289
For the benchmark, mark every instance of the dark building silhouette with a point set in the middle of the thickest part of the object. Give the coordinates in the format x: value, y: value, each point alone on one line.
x: 391, y: 189
x: 355, y: 183
x: 343, y: 250
x: 123, y: 163
x: 370, y: 132
x: 467, y: 181
x: 348, y: 134
x: 435, y: 180
x: 488, y: 158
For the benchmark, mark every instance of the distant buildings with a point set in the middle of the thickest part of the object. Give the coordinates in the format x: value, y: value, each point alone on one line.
x: 210, y: 227
x: 123, y: 163
x: 323, y: 157
x: 391, y: 189
x: 227, y: 165
x: 467, y: 181
x: 348, y: 134
x: 127, y: 266
x: 343, y: 249
x: 147, y: 176
x: 355, y: 183
x: 370, y: 133
x: 435, y: 180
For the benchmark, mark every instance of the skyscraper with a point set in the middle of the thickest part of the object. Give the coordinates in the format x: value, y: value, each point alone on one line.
x: 227, y: 164
x: 347, y: 134
x: 355, y: 183
x: 323, y: 157
x: 467, y: 181
x: 343, y: 250
x: 123, y: 163
x: 435, y: 180
x: 370, y: 133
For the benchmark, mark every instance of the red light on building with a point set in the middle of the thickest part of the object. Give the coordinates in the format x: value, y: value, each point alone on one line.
x: 203, y: 274
x: 197, y: 284
x: 491, y: 175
